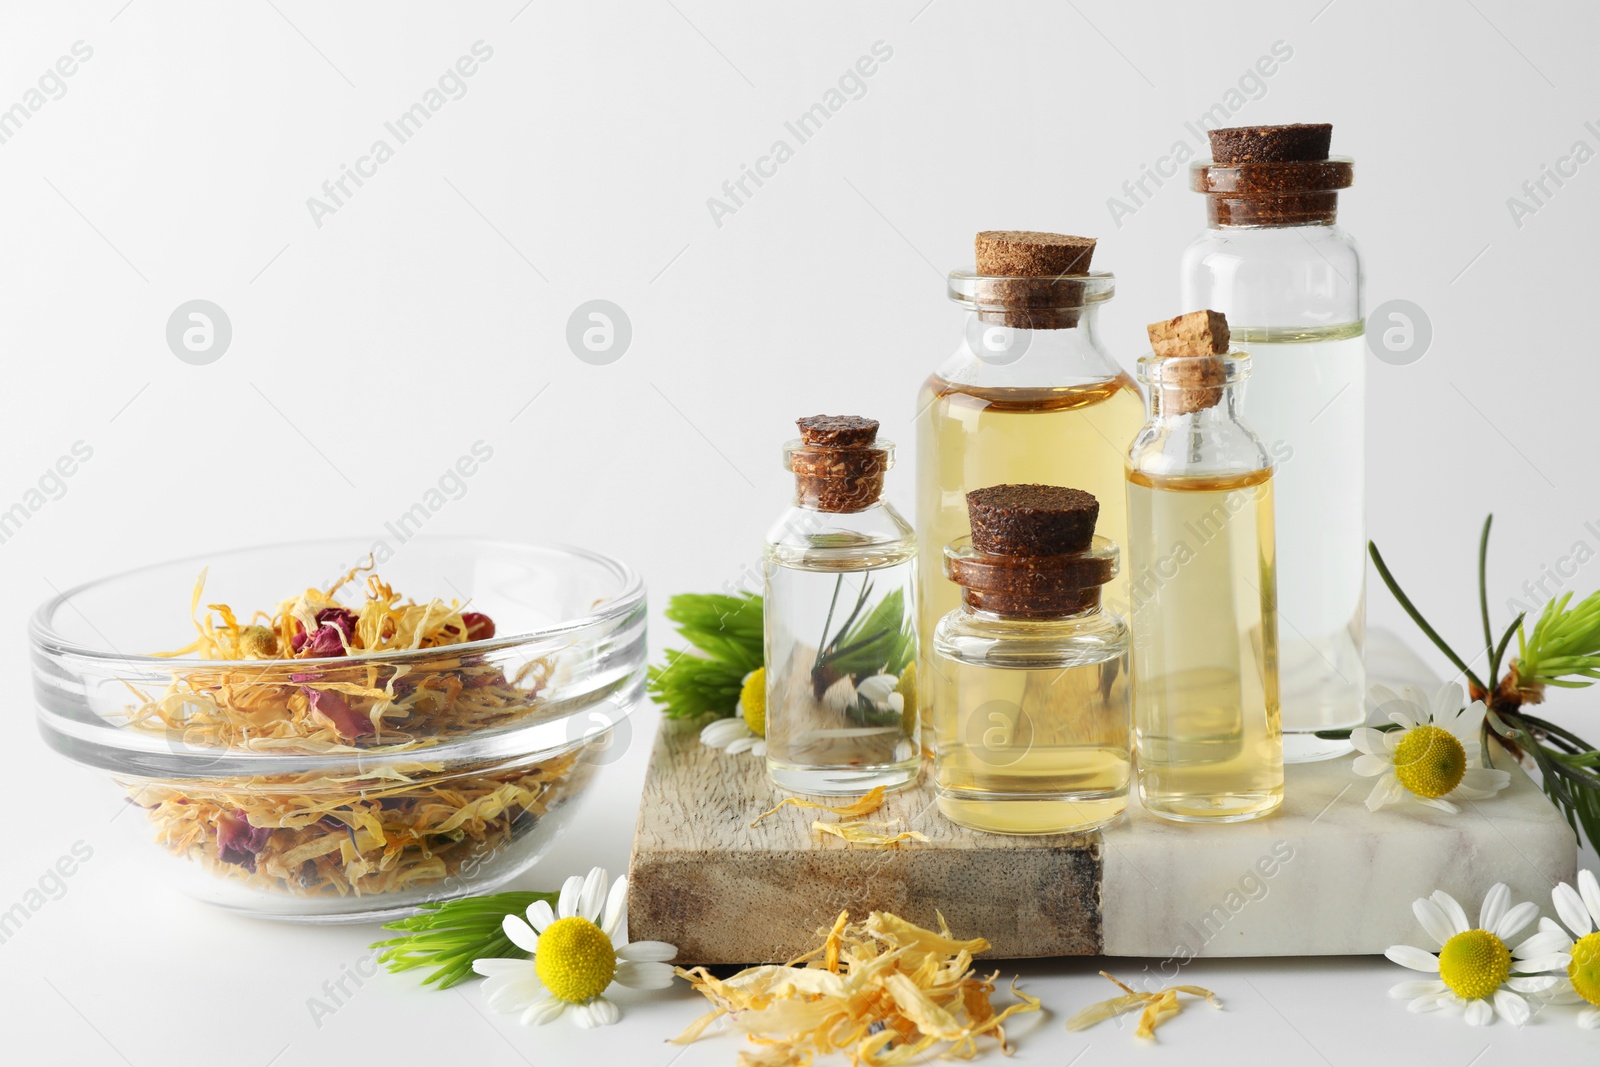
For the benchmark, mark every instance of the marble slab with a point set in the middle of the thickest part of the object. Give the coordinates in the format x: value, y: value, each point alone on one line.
x: 1321, y: 876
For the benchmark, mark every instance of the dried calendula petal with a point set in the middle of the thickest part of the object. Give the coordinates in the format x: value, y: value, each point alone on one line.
x: 853, y: 810
x: 884, y: 992
x: 862, y: 833
x: 1158, y: 1007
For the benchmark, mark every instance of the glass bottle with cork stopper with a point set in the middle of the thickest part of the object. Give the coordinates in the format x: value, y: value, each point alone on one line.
x: 840, y: 618
x: 1275, y: 262
x: 1030, y: 395
x: 1202, y: 566
x: 1030, y: 677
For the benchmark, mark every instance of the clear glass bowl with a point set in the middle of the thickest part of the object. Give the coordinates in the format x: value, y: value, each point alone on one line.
x: 480, y: 751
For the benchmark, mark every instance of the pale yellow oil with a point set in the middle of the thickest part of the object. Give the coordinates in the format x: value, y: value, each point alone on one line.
x: 1205, y: 655
x: 969, y: 438
x: 1040, y: 751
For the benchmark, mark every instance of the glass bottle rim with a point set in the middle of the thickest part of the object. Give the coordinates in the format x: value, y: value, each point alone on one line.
x: 882, y: 447
x: 1235, y: 366
x: 984, y: 292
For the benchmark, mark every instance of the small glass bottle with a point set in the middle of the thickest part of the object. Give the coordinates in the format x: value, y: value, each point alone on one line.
x: 1201, y: 563
x: 1029, y: 395
x: 1273, y: 260
x: 840, y: 619
x: 1030, y: 676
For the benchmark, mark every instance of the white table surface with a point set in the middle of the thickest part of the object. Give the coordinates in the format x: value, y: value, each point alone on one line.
x: 373, y: 346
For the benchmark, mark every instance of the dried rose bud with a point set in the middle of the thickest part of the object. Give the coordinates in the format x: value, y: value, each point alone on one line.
x: 479, y: 626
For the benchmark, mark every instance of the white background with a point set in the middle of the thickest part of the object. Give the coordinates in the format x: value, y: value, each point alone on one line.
x: 430, y: 309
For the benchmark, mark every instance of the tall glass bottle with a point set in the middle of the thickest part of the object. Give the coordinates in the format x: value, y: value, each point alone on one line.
x: 1201, y: 560
x: 1030, y: 395
x: 840, y: 618
x: 1273, y: 260
x: 1030, y: 694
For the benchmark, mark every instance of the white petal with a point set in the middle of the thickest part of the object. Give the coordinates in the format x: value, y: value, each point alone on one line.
x: 1387, y: 790
x: 567, y: 903
x: 1494, y: 906
x: 543, y: 1011
x: 1433, y: 920
x: 1555, y: 961
x: 597, y: 1012
x: 1590, y: 1019
x: 648, y: 952
x: 1369, y: 766
x: 1452, y: 910
x: 643, y: 975
x: 759, y: 748
x: 520, y: 933
x: 1404, y: 720
x: 1447, y: 701
x: 1510, y: 1007
x: 1429, y: 1002
x: 1515, y: 919
x: 1534, y: 984
x: 1419, y: 702
x: 1470, y: 722
x: 1415, y: 958
x: 1589, y: 888
x: 742, y: 744
x: 1421, y: 987
x: 1439, y: 804
x: 593, y: 897
x: 490, y: 967
x: 508, y: 993
x: 1479, y: 1013
x: 1481, y: 783
x: 540, y: 915
x: 721, y: 731
x: 616, y: 916
x: 1550, y: 938
x: 1368, y: 740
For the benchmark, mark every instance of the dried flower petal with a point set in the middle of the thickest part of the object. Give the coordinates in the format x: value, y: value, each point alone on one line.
x: 883, y: 992
x: 853, y: 810
x: 862, y: 833
x: 1158, y: 1007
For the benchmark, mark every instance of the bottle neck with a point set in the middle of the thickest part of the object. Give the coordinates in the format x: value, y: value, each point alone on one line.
x: 994, y: 353
x: 1163, y: 407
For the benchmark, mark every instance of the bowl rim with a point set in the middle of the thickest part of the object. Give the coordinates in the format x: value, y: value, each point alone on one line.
x: 43, y: 636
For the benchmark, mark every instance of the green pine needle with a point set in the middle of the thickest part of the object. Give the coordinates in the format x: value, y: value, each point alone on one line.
x: 449, y: 935
x: 726, y: 634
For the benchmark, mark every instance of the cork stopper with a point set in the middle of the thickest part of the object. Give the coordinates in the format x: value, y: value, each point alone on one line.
x: 838, y: 462
x: 1032, y: 553
x: 837, y: 431
x: 1031, y: 277
x: 1031, y: 520
x: 1297, y: 142
x: 1272, y: 175
x: 1189, y: 350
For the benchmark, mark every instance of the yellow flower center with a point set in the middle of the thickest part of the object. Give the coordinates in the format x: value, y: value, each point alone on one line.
x: 1584, y: 970
x: 1474, y: 964
x: 1430, y: 761
x: 575, y: 960
x: 753, y: 701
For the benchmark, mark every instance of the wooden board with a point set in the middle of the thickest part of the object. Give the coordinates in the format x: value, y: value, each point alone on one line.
x: 1324, y: 875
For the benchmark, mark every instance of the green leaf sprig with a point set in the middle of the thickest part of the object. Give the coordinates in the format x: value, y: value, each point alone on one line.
x: 449, y: 935
x: 725, y: 632
x: 1563, y: 651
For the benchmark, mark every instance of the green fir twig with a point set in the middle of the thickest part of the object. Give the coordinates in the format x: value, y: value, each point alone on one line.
x: 449, y: 935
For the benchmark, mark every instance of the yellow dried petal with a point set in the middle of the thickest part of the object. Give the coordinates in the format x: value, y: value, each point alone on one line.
x: 860, y: 833
x: 853, y: 810
x: 1158, y: 1007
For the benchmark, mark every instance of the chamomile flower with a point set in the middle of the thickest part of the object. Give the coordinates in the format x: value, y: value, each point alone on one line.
x: 746, y: 730
x: 1580, y: 911
x: 1475, y: 971
x: 579, y: 950
x: 1434, y: 754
